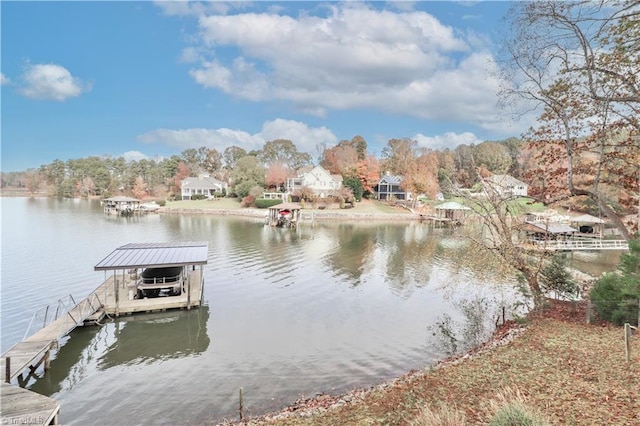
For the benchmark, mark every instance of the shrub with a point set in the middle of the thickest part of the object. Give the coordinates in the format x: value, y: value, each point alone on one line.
x: 615, y: 295
x: 247, y: 201
x: 443, y: 415
x: 198, y: 197
x: 509, y: 408
x: 161, y: 203
x: 265, y: 204
x: 555, y: 278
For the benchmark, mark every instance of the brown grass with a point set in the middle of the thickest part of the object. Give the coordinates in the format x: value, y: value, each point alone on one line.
x: 567, y: 372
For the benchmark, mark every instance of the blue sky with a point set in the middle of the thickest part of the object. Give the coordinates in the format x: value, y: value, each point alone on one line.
x: 151, y: 79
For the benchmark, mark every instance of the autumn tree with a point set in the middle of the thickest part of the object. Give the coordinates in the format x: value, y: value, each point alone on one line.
x: 579, y: 61
x: 397, y: 155
x: 368, y: 171
x: 139, y: 188
x: 182, y: 173
x: 421, y: 176
x: 277, y: 174
x: 340, y: 159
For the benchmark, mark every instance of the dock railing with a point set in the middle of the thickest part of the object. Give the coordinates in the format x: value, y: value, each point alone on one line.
x: 67, y: 305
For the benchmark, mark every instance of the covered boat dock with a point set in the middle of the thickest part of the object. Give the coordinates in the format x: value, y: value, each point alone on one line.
x: 122, y: 206
x: 126, y: 290
x: 284, y: 215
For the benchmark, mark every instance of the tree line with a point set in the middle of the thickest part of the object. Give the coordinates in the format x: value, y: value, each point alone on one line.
x: 424, y: 171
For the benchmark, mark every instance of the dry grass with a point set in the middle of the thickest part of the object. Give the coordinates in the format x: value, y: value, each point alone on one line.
x: 567, y: 372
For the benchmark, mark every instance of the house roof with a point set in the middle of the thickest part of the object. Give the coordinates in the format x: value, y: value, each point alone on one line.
x: 550, y: 228
x: 505, y: 180
x: 586, y: 218
x: 451, y: 205
x: 286, y: 206
x: 391, y: 179
x: 202, y: 182
x: 122, y: 199
x: 144, y: 255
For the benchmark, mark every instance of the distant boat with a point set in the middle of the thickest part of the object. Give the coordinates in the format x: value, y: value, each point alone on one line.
x: 149, y: 207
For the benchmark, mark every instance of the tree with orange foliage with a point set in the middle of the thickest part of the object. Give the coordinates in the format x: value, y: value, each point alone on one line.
x: 421, y: 176
x: 182, y: 172
x: 277, y: 174
x: 139, y: 188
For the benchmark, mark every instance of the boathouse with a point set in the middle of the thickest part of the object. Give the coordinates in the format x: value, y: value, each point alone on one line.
x: 452, y: 211
x: 123, y: 206
x: 145, y: 277
x: 284, y: 215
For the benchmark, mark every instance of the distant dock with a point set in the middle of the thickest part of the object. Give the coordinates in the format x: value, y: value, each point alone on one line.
x: 127, y: 289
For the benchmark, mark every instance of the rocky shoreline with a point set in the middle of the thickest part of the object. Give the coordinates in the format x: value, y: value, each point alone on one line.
x: 320, y: 403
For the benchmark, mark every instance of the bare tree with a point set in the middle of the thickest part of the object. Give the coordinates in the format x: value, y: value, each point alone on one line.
x: 580, y: 61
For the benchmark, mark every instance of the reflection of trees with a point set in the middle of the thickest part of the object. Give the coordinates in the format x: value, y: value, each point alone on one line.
x: 475, y: 326
x: 355, y: 244
x: 410, y: 256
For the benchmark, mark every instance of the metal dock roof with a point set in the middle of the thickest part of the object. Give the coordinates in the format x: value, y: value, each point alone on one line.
x: 144, y: 255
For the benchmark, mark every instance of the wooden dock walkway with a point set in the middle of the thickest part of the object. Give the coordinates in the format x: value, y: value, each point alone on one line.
x: 579, y: 245
x: 115, y: 296
x: 23, y: 407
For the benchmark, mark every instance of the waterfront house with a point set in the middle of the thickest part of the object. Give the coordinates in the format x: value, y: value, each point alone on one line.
x: 318, y: 179
x: 202, y: 185
x: 505, y: 186
x: 389, y: 188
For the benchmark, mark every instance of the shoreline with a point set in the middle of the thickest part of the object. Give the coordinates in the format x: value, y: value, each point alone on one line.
x: 307, y: 407
x: 308, y: 216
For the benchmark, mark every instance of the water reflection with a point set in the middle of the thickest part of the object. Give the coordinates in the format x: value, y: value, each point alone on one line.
x: 156, y: 337
x: 143, y: 338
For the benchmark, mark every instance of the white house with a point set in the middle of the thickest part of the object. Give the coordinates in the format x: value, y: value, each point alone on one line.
x: 317, y: 179
x: 505, y: 186
x: 201, y: 185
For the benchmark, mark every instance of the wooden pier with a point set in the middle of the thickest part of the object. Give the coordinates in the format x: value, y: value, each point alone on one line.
x: 578, y: 245
x: 23, y: 407
x: 119, y: 294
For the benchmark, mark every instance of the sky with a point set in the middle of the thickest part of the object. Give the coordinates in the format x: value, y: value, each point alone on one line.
x: 151, y: 79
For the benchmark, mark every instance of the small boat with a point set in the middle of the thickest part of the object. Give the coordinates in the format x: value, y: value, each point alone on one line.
x: 149, y: 207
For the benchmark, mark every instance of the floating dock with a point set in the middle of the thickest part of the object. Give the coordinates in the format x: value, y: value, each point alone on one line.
x: 122, y: 292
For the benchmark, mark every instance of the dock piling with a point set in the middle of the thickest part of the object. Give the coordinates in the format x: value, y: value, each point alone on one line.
x: 7, y: 369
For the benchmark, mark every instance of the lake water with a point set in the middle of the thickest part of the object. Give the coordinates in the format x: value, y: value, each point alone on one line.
x: 287, y: 314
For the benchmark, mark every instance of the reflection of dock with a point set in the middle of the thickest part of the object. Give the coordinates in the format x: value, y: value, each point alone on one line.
x: 116, y: 296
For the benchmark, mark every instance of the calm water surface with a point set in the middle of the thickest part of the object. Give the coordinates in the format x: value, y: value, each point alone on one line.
x: 288, y: 313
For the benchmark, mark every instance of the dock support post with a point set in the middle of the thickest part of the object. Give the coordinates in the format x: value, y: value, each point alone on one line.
x: 47, y: 361
x: 189, y: 293
x: 7, y: 369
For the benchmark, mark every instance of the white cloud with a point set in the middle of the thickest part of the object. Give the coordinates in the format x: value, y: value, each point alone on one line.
x: 405, y: 62
x: 304, y: 137
x: 448, y: 140
x: 51, y: 82
x: 134, y: 156
x: 195, y: 138
x: 4, y: 79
